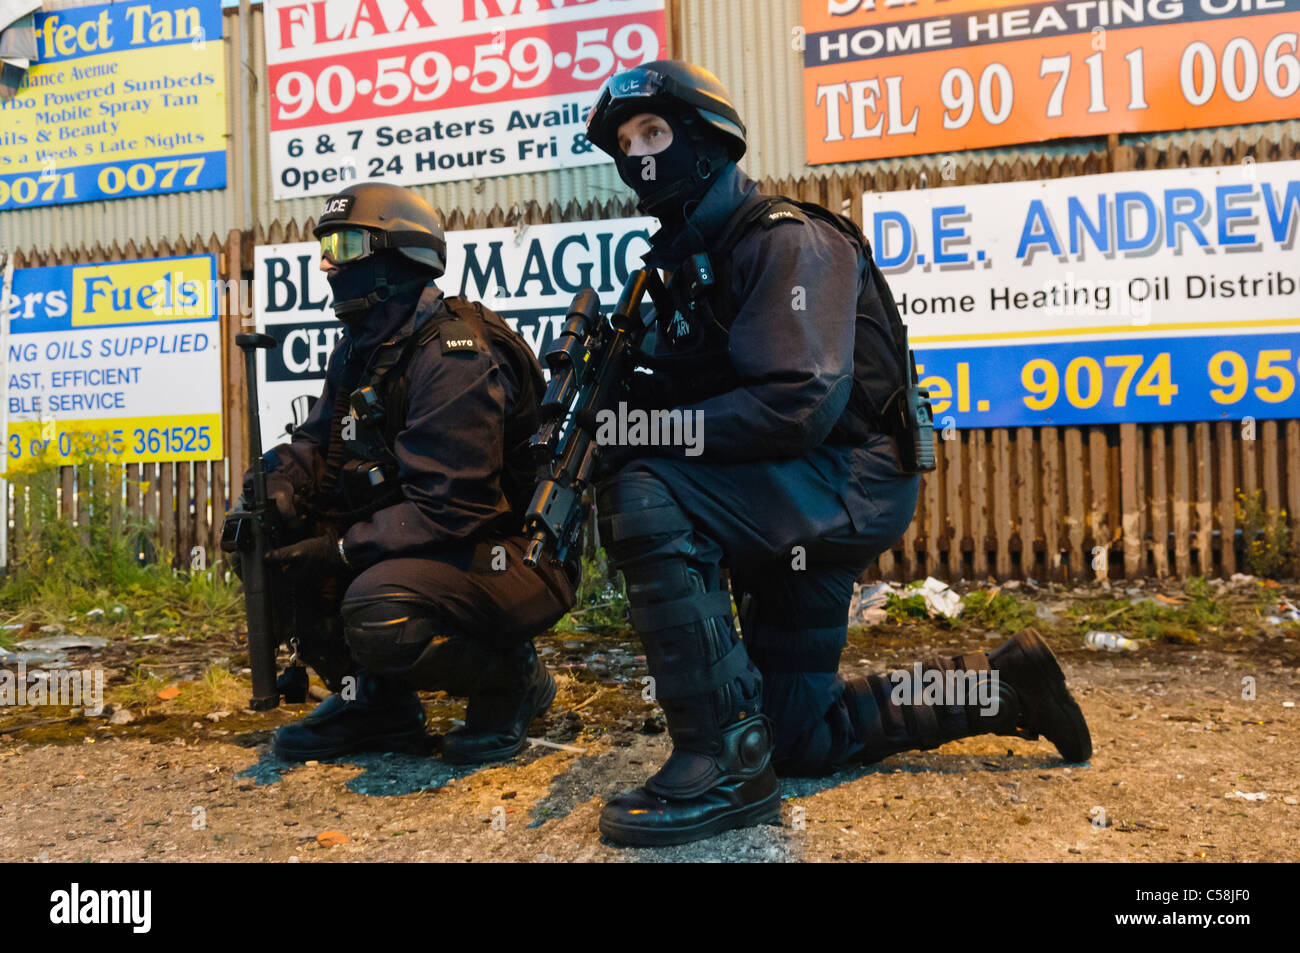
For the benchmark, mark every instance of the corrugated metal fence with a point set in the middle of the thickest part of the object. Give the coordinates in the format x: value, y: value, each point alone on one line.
x: 747, y: 43
x: 1043, y: 502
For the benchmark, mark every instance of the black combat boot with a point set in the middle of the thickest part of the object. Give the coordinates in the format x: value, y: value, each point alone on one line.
x: 744, y: 792
x: 1046, y: 706
x: 498, y: 715
x: 384, y: 715
x: 719, y: 775
x: 1017, y: 690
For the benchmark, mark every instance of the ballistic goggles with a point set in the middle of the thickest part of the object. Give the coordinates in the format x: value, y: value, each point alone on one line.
x: 349, y: 244
x: 632, y: 84
x: 643, y: 88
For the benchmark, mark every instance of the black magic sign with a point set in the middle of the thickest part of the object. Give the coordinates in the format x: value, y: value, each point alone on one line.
x: 528, y: 275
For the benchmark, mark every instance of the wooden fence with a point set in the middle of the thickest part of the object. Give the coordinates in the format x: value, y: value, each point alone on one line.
x: 1049, y: 503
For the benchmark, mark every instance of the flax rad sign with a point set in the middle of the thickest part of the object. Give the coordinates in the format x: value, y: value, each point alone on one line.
x: 410, y: 91
x: 1134, y: 296
x: 529, y: 276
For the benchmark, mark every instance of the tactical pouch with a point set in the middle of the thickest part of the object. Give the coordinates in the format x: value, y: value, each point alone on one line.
x: 367, y: 413
x: 368, y: 481
x: 366, y: 485
x: 911, y: 424
x: 916, y: 443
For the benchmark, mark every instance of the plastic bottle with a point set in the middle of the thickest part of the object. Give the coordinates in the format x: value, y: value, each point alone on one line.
x: 1109, y: 641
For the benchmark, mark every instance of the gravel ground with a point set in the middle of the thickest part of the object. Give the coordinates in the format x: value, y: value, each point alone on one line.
x: 1175, y: 749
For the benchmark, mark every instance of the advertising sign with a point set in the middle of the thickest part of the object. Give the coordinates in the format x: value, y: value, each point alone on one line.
x: 528, y: 276
x: 125, y: 99
x: 119, y: 360
x: 883, y: 78
x: 411, y: 91
x: 1135, y: 296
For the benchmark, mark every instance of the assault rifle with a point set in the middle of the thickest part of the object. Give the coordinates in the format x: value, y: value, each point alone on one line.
x: 252, y: 531
x: 587, y: 362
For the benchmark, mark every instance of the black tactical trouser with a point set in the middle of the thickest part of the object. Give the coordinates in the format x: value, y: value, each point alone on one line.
x: 441, y: 623
x: 795, y: 536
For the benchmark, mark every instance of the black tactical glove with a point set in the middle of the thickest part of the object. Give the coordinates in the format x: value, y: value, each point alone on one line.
x: 318, y: 556
x: 280, y: 492
x: 270, y: 464
x: 278, y: 487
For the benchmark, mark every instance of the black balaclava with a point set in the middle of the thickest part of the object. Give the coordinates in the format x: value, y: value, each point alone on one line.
x: 686, y: 164
x: 361, y: 287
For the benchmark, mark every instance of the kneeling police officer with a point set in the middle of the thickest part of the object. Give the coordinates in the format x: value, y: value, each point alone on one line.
x: 776, y: 328
x: 405, y: 486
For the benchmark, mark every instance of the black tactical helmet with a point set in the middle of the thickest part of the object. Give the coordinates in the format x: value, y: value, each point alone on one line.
x: 395, y: 217
x: 675, y: 84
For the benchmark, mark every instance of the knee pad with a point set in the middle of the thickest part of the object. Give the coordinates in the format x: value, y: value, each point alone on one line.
x: 639, y: 519
x: 388, y: 633
x: 407, y: 636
